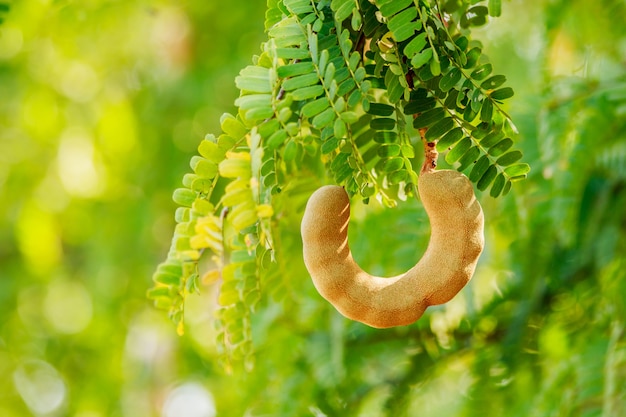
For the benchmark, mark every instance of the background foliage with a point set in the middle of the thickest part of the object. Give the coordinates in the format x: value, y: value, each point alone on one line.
x: 105, y: 101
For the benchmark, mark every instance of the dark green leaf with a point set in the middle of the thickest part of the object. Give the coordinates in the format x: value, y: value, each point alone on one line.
x: 429, y: 117
x: 380, y: 109
x: 392, y: 164
x: 486, y: 111
x: 419, y: 105
x: 500, y: 147
x: 502, y: 93
x: 498, y: 185
x: 491, y: 139
x: 450, y: 79
x: 509, y: 158
x: 439, y: 129
x: 386, y: 151
x: 479, y: 168
x: 458, y: 151
x: 487, y: 178
x: 481, y: 72
x: 449, y: 139
x: 468, y: 158
x: 385, y: 137
x: 472, y: 57
x: 330, y: 145
x: 383, y: 123
x: 397, y: 177
x: 493, y: 82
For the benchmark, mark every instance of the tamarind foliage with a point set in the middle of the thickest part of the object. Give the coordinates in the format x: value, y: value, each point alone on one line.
x: 352, y: 85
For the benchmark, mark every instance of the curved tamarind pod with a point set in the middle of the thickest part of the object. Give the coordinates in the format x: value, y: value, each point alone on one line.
x: 455, y: 245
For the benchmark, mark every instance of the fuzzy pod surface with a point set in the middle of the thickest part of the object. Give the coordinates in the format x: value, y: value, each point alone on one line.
x: 456, y: 242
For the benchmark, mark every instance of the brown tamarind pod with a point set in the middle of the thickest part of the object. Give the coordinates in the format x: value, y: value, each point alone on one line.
x: 455, y: 244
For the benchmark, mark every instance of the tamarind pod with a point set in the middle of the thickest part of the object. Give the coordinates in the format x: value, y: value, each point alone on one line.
x: 455, y: 245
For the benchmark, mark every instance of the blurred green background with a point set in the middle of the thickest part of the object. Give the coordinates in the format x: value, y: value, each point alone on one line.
x: 102, y: 104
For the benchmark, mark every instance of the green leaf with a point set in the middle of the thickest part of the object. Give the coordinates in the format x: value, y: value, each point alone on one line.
x: 184, y: 197
x: 517, y: 170
x: 449, y: 139
x: 383, y: 123
x: 300, y: 81
x: 315, y: 107
x: 502, y: 93
x: 429, y: 117
x: 439, y: 129
x: 402, y: 25
x: 509, y: 158
x: 166, y: 278
x: 307, y: 93
x: 479, y: 168
x: 292, y: 70
x: 493, y: 82
x: 292, y: 53
x: 419, y: 105
x: 254, y: 79
x: 468, y: 158
x: 500, y: 147
x: 420, y: 59
x: 458, y: 151
x: 342, y: 8
x: 324, y: 118
x: 386, y: 151
x: 277, y: 139
x: 487, y: 178
x: 385, y: 137
x: 249, y: 101
x: 380, y: 109
x: 339, y: 128
x: 498, y: 185
x: 495, y: 7
x: 159, y: 292
x: 390, y: 8
x: 486, y: 111
x: 491, y: 139
x: 481, y: 72
x: 232, y: 126
x: 330, y: 145
x: 450, y: 79
x: 211, y: 151
x: 349, y: 117
x: 415, y: 45
x: 204, y: 168
x: 392, y: 164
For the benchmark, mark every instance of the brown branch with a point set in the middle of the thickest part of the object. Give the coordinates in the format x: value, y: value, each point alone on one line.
x: 430, y: 154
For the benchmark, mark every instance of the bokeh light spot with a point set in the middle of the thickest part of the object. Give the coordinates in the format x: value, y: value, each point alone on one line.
x: 40, y: 386
x: 189, y: 400
x: 67, y: 306
x: 76, y: 165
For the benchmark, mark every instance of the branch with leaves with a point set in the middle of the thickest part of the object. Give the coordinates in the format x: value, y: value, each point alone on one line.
x: 353, y: 86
